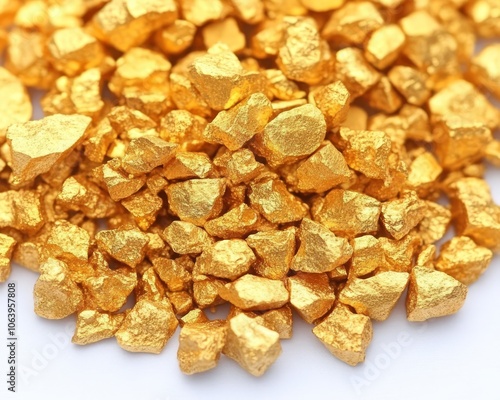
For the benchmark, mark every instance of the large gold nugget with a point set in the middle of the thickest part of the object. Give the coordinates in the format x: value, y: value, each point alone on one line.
x: 147, y: 327
x: 197, y: 200
x: 348, y: 213
x: 345, y: 334
x: 7, y: 244
x: 15, y: 103
x: 56, y: 295
x: 128, y: 23
x: 93, y: 326
x: 433, y: 294
x: 227, y: 259
x: 464, y: 260
x: 292, y: 135
x: 375, y: 296
x: 37, y: 146
x: 311, y: 295
x: 320, y: 250
x: 252, y: 292
x: 200, y: 346
x: 251, y: 345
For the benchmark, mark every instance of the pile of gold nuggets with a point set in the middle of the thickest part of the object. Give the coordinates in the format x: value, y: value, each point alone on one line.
x: 277, y: 155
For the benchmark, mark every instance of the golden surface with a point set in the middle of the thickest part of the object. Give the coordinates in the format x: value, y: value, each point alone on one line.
x: 311, y: 295
x: 375, y: 296
x: 252, y: 292
x: 55, y: 294
x: 36, y: 146
x: 320, y: 250
x: 485, y: 69
x: 15, y: 103
x: 462, y: 259
x: 226, y: 259
x: 127, y: 246
x: 266, y: 155
x: 345, y: 334
x: 93, y: 326
x: 7, y: 244
x: 433, y: 294
x: 186, y: 238
x: 348, y: 213
x: 402, y: 215
x: 200, y: 346
x: 283, y: 139
x: 251, y: 345
x: 147, y: 327
x: 275, y: 251
x: 235, y: 127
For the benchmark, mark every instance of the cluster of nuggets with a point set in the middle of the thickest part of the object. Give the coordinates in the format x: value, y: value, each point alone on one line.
x: 275, y: 155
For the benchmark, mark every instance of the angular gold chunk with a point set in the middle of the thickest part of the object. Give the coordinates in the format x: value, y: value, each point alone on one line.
x: 235, y: 127
x: 93, y: 326
x: 227, y: 259
x: 144, y: 207
x: 353, y: 22
x: 200, y: 346
x: 292, y: 135
x: 325, y: 169
x: 127, y: 246
x: 127, y: 23
x: 384, y: 46
x: 345, y: 334
x: 311, y: 295
x: 238, y: 222
x: 435, y: 223
x: 197, y: 200
x: 37, y: 146
x: 252, y: 292
x: 368, y: 152
x: 348, y: 213
x: 400, y: 216
x: 433, y: 294
x: 251, y: 345
x: 73, y: 51
x: 464, y: 260
x: 333, y: 100
x: 303, y: 56
x: 320, y: 250
x: 367, y: 255
x: 463, y: 99
x: 475, y: 213
x: 274, y: 202
x: 147, y: 327
x: 275, y: 251
x: 146, y: 153
x: 186, y: 238
x: 71, y: 244
x: 375, y: 296
x: 56, y: 295
x: 460, y: 142
x: 354, y: 71
x: 109, y: 289
x: 221, y: 80
x: 187, y: 165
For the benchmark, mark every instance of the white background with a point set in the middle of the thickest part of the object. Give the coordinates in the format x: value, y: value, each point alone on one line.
x: 456, y: 357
